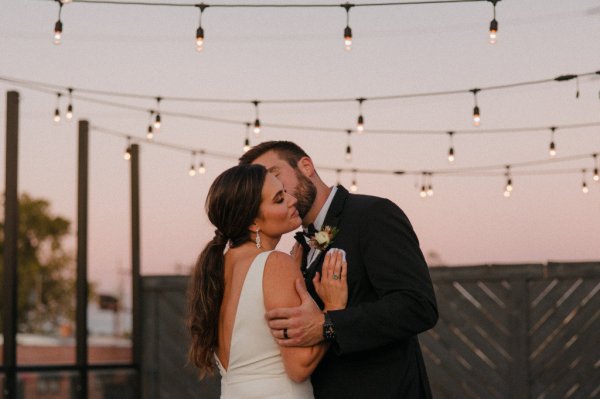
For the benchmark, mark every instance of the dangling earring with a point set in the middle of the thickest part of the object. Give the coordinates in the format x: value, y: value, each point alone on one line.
x: 257, y: 238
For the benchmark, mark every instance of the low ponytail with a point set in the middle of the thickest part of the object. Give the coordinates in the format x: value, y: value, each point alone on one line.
x: 232, y: 204
x: 205, y: 296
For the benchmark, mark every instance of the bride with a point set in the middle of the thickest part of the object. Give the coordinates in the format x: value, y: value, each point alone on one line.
x: 239, y: 276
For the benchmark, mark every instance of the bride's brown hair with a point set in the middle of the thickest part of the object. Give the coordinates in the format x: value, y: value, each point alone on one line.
x: 232, y: 204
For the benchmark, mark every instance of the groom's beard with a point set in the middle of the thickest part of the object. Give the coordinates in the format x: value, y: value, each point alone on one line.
x: 306, y: 192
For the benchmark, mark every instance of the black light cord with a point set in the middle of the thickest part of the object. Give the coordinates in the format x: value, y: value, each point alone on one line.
x: 561, y: 78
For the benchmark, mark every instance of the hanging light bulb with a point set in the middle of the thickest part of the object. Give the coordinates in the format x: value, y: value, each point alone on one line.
x: 157, y: 121
x: 451, y: 150
x: 201, y: 168
x: 58, y: 26
x: 338, y: 180
x: 509, y: 187
x: 57, y: 109
x: 200, y: 30
x: 247, y: 139
x: 150, y: 130
x: 256, y: 129
x: 347, y: 30
x: 348, y: 148
x: 584, y: 187
x: 150, y: 133
x: 354, y: 186
x: 423, y: 192
x: 127, y: 153
x: 199, y: 38
x: 430, y: 190
x: 360, y: 122
x: 476, y: 113
x: 552, y: 150
x: 596, y: 177
x: 69, y: 114
x: 494, y: 25
x: 192, y: 171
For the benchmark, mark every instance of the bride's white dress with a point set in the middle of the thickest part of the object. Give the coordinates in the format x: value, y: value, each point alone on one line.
x: 255, y: 364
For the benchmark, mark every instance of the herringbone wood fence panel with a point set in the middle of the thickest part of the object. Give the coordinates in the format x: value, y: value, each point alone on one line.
x: 510, y: 332
x: 528, y: 331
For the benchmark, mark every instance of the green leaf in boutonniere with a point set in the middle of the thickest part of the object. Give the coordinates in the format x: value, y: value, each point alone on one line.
x: 323, y: 238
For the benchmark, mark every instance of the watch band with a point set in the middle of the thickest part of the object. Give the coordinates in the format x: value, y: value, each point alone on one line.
x: 328, y: 329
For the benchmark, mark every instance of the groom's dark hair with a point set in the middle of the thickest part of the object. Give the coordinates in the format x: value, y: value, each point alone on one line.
x: 291, y: 152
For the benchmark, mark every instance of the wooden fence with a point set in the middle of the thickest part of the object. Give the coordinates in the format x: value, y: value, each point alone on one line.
x: 505, y: 331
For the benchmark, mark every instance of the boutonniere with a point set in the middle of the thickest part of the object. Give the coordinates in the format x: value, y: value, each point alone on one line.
x: 323, y: 238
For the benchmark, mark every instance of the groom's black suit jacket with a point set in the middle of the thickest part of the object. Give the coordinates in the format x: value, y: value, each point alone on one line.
x: 376, y: 353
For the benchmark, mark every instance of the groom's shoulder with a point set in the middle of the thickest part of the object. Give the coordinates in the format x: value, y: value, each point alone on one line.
x: 370, y: 201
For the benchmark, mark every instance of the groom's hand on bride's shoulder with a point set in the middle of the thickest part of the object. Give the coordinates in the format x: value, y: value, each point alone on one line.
x: 303, y: 324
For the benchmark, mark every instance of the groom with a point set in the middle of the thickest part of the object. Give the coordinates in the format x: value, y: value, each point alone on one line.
x: 374, y: 348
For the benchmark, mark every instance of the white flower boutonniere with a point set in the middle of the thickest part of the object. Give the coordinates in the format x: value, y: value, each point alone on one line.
x: 323, y: 238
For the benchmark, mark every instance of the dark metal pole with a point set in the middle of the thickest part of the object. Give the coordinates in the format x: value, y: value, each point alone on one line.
x: 82, y: 286
x: 135, y: 268
x: 11, y: 234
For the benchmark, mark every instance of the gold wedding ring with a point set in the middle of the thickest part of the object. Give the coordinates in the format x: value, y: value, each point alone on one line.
x: 335, y: 277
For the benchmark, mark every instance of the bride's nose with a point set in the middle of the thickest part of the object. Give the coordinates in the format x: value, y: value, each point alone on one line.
x: 292, y: 201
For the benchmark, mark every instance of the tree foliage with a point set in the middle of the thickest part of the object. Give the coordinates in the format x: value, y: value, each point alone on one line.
x: 46, y: 272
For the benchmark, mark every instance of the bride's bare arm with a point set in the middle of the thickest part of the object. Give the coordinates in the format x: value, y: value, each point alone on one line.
x: 280, y: 275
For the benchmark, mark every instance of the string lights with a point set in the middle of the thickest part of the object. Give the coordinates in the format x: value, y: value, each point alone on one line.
x: 426, y: 185
x: 192, y: 171
x: 150, y: 130
x: 426, y: 177
x: 347, y: 6
x: 493, y: 25
x: 508, y: 188
x: 476, y: 113
x: 360, y: 122
x: 246, y: 147
x: 348, y: 155
x: 584, y: 187
x: 201, y: 167
x: 256, y: 128
x: 347, y: 29
x: 157, y: 122
x: 552, y: 148
x: 43, y: 86
x: 57, y: 109
x: 58, y: 26
x: 451, y: 149
x: 69, y: 114
x: 127, y: 152
x: 200, y: 30
x: 354, y: 185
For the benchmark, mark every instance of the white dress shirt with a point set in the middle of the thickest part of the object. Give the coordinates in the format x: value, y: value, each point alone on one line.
x: 318, y: 223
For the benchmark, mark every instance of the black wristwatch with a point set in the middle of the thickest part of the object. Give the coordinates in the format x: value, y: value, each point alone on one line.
x: 328, y: 329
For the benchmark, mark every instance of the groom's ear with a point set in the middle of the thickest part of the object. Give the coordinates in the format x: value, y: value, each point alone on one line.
x: 306, y: 166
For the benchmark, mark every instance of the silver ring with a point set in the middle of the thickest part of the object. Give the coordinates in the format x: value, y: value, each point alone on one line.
x: 285, y: 336
x: 335, y: 277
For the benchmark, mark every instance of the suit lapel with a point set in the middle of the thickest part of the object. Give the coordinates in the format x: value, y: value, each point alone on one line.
x: 332, y: 219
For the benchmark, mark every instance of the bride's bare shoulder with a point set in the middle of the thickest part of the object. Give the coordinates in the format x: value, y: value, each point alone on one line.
x: 280, y: 261
x: 280, y: 274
